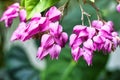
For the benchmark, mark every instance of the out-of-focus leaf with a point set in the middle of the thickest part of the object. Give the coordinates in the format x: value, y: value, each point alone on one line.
x: 37, y: 6
x: 109, y: 75
x: 19, y: 66
x: 22, y: 3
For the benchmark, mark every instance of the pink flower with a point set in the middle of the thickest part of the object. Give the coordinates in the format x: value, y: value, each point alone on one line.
x: 23, y: 15
x: 118, y: 8
x: 53, y: 42
x: 85, y: 40
x: 81, y: 43
x: 97, y: 24
x: 18, y: 33
x: 53, y: 14
x: 10, y: 14
x: 36, y: 25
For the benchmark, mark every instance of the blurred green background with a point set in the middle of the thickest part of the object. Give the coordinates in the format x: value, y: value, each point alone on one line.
x: 18, y: 60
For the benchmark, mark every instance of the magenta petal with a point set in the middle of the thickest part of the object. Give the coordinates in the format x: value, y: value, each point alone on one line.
x: 79, y: 28
x: 37, y: 16
x: 87, y: 55
x: 76, y: 53
x: 108, y: 45
x: 55, y: 28
x: 72, y: 39
x: 91, y: 31
x: 15, y: 5
x: 105, y: 34
x: 115, y: 42
x: 54, y: 51
x: 18, y: 33
x: 23, y: 15
x: 89, y: 44
x: 53, y: 14
x: 97, y: 24
x: 114, y: 34
x: 47, y: 41
x: 64, y: 38
x: 98, y: 39
x: 10, y: 14
x: 118, y: 8
x: 41, y: 53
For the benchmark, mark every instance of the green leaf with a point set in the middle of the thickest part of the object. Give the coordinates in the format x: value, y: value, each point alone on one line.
x: 19, y: 66
x: 22, y: 3
x: 36, y: 6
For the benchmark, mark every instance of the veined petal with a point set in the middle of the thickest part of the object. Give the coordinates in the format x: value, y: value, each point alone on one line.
x: 54, y: 51
x: 76, y: 53
x: 47, y: 41
x: 87, y: 55
x: 91, y: 31
x: 37, y: 16
x: 64, y: 38
x: 98, y: 39
x: 42, y: 53
x: 55, y: 28
x: 18, y: 33
x: 97, y: 24
x: 107, y: 46
x: 23, y: 15
x: 79, y: 28
x: 53, y: 14
x: 72, y: 39
x: 89, y: 44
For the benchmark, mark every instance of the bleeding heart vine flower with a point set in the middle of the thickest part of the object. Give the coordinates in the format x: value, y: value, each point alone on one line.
x: 52, y: 42
x: 47, y: 28
x: 86, y: 40
x: 11, y: 13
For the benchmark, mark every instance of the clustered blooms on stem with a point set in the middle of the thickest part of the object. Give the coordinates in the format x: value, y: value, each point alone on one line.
x: 85, y: 40
x: 11, y: 13
x: 45, y: 27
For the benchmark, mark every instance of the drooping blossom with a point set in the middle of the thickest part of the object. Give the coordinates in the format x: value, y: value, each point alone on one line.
x: 11, y: 13
x: 53, y: 14
x: 53, y: 42
x: 53, y: 39
x: 18, y: 33
x: 84, y: 41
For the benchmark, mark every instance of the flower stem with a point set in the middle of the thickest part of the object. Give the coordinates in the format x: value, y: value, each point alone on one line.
x: 68, y: 70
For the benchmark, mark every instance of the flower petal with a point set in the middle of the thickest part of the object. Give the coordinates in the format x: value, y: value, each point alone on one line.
x: 53, y: 14
x: 55, y: 51
x: 76, y: 53
x: 47, y: 41
x: 41, y: 53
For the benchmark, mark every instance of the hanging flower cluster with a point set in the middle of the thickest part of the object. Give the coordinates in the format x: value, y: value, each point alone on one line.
x: 85, y: 40
x: 45, y: 27
x: 11, y: 13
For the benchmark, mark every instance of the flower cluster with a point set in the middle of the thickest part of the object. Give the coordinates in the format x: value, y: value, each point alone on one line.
x: 85, y: 40
x: 11, y: 13
x: 46, y: 28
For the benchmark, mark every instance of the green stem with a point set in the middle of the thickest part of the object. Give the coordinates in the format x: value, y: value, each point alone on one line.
x: 68, y: 70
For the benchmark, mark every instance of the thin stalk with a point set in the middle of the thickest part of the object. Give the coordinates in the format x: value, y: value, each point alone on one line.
x: 68, y: 70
